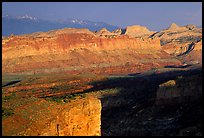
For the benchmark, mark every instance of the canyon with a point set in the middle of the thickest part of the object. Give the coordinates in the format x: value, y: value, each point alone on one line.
x: 77, y: 82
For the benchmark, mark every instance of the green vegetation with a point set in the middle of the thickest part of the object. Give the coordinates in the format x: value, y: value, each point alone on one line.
x: 107, y: 91
x: 158, y: 60
x: 9, y: 78
x: 6, y: 98
x: 6, y: 112
x: 65, y: 98
x: 179, y: 77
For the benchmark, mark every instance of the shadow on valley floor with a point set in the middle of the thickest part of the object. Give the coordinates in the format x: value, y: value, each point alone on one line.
x: 185, y: 66
x: 11, y: 83
x: 131, y: 110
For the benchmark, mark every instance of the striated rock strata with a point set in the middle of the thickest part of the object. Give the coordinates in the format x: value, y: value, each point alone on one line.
x: 79, y: 118
x: 185, y: 42
x: 78, y: 50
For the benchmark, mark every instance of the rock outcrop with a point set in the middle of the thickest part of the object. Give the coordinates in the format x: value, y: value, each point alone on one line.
x: 182, y: 41
x: 190, y: 26
x: 137, y: 31
x: 175, y: 27
x: 117, y: 31
x: 54, y: 33
x: 77, y: 50
x: 183, y: 89
x: 103, y: 32
x: 79, y: 118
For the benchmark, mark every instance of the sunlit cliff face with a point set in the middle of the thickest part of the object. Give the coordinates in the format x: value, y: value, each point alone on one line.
x: 77, y: 50
x: 79, y: 118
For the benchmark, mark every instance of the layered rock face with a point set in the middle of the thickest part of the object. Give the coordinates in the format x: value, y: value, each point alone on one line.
x: 182, y: 41
x: 79, y: 118
x: 84, y: 119
x: 77, y: 50
x: 118, y: 31
x: 104, y: 33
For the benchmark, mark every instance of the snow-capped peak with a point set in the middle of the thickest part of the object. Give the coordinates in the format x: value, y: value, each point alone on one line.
x: 78, y: 21
x: 73, y: 21
x: 27, y: 17
x: 5, y: 15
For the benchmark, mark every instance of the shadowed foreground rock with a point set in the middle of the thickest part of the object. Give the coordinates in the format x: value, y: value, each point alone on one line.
x: 181, y: 90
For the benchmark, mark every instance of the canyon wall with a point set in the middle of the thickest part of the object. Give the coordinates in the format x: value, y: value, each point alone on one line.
x: 76, y: 49
x: 79, y: 118
x: 84, y: 119
x: 23, y: 46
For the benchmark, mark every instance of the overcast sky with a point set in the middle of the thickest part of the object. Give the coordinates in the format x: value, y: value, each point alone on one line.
x: 154, y: 15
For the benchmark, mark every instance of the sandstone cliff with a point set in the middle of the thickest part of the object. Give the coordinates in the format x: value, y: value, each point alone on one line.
x: 77, y: 50
x: 81, y: 117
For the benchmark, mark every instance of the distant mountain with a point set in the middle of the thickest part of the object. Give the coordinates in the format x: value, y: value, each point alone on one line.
x: 28, y: 24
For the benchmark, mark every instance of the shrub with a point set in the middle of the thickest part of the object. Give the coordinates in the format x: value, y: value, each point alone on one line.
x: 6, y: 112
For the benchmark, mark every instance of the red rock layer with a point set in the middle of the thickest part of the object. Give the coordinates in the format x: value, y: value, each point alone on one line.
x: 62, y: 51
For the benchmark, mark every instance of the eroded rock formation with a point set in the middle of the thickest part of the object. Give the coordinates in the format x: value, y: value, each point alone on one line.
x: 104, y: 33
x: 78, y: 50
x: 137, y: 31
x: 117, y: 31
x: 182, y: 41
x: 79, y: 118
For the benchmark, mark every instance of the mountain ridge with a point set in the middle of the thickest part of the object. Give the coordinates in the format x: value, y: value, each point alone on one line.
x: 27, y: 24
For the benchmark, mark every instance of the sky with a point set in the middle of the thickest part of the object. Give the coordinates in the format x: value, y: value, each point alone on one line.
x: 154, y: 15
